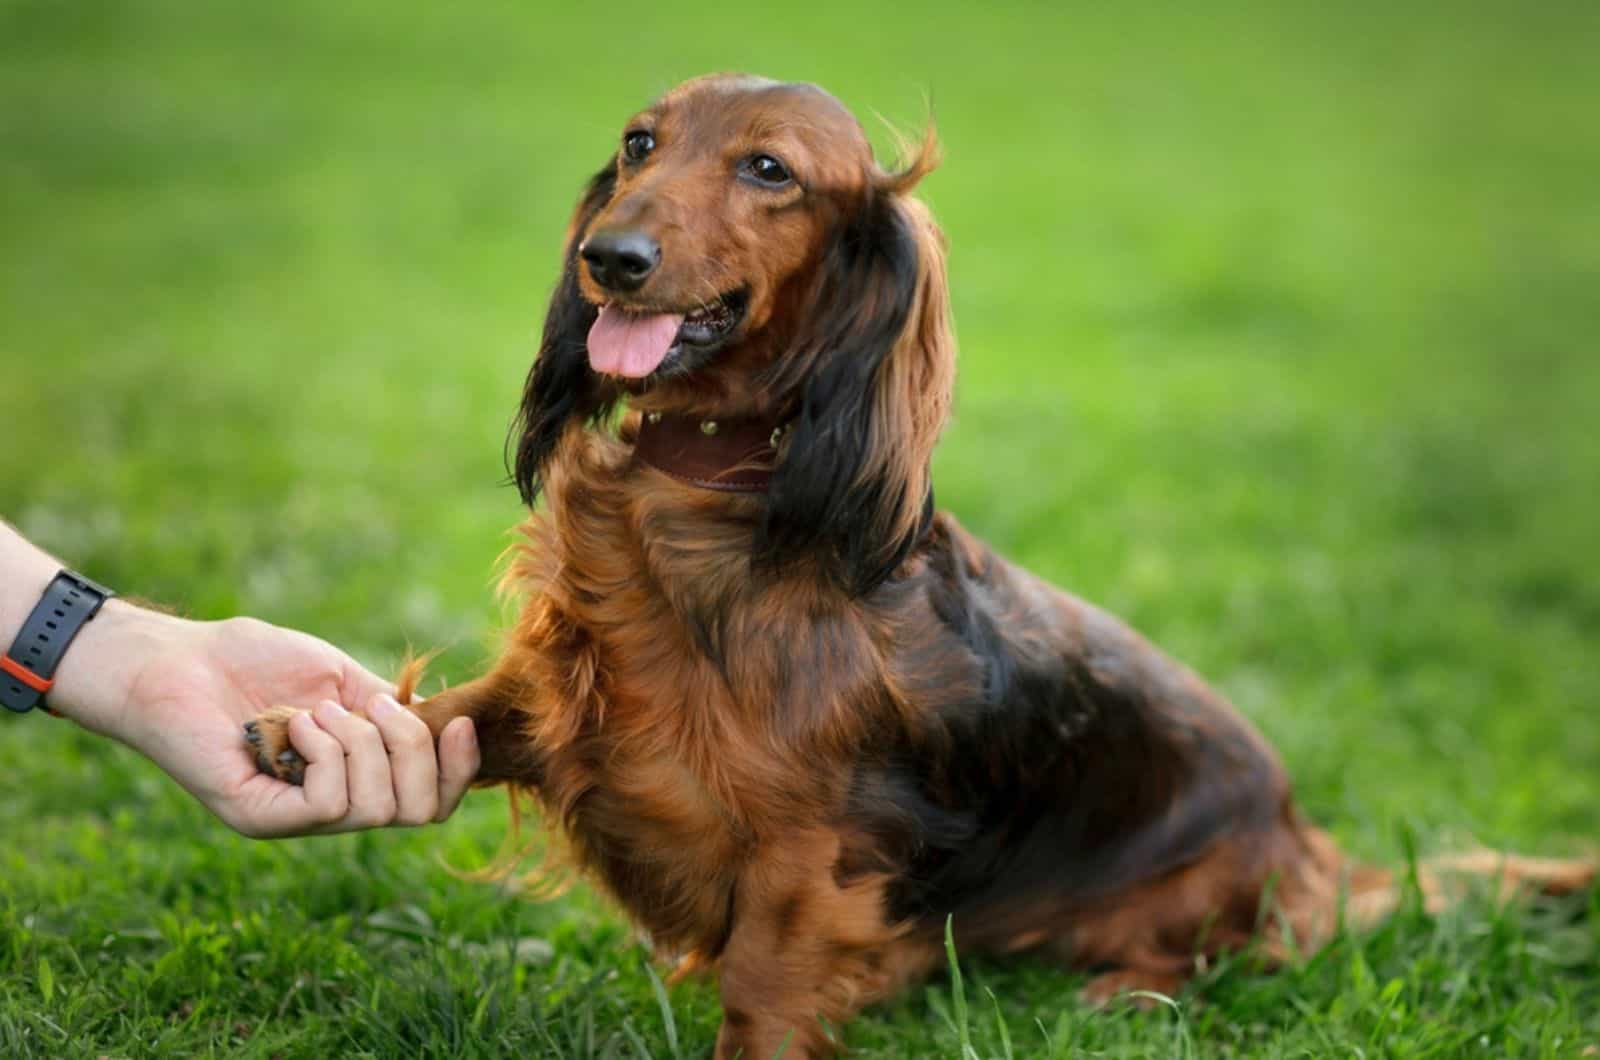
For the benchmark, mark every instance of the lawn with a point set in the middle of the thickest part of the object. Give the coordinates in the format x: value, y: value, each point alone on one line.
x: 1279, y: 330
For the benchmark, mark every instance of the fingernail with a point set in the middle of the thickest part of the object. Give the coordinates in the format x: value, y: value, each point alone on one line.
x: 385, y: 705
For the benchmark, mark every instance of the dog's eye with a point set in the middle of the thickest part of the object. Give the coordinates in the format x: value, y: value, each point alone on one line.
x: 637, y: 144
x: 764, y: 169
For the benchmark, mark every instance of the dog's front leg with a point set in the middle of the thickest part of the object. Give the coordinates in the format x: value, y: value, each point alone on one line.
x: 491, y: 701
x: 804, y: 949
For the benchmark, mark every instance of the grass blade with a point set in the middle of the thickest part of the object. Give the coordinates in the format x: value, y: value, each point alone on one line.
x: 958, y: 993
x: 665, y: 1004
x: 1000, y: 1026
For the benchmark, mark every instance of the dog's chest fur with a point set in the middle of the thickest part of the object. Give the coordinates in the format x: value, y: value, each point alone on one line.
x: 671, y: 741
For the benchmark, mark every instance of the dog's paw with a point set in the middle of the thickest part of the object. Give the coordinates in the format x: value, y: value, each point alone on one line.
x: 268, y: 737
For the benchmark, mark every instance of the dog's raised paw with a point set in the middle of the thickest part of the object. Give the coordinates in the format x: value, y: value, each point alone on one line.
x: 268, y: 738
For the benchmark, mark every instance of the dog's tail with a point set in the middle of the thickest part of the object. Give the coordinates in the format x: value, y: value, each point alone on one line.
x: 1373, y: 893
x: 1322, y: 891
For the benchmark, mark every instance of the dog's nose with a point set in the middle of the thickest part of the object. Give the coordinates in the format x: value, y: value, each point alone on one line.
x: 621, y: 261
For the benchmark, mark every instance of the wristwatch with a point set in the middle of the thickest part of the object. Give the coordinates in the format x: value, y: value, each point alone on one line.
x: 27, y: 671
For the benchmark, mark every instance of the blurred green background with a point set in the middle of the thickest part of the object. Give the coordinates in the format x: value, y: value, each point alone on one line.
x: 1278, y: 330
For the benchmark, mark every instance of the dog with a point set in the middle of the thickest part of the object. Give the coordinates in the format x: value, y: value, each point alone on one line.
x: 787, y: 713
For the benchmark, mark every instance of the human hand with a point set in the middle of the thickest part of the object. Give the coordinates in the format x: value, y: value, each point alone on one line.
x: 180, y: 692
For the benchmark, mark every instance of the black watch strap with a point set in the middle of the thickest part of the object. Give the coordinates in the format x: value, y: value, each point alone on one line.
x: 28, y: 670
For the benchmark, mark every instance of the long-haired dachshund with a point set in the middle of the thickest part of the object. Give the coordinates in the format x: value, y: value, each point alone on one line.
x: 788, y: 714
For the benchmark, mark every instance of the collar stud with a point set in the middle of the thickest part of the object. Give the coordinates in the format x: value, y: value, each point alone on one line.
x: 732, y: 454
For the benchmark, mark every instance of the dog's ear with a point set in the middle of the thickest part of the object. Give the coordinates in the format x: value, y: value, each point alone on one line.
x: 873, y: 380
x: 560, y: 387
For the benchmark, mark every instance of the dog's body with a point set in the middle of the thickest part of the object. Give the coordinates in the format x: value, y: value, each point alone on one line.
x: 821, y: 794
x: 793, y: 728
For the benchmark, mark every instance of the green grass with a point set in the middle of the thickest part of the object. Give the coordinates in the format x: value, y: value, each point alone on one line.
x: 1280, y: 339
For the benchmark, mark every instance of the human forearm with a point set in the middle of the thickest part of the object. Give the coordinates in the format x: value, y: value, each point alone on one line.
x: 181, y: 691
x: 103, y: 661
x: 24, y: 573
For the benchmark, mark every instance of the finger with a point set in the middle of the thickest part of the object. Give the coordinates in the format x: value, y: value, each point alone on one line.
x: 326, y: 796
x: 412, y: 765
x: 357, y: 686
x: 367, y: 775
x: 458, y: 764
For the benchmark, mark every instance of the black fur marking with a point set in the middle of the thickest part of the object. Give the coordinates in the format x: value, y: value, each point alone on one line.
x: 820, y: 500
x: 560, y: 385
x: 1047, y: 775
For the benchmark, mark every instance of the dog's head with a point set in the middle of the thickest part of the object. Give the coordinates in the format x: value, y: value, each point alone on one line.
x: 744, y: 255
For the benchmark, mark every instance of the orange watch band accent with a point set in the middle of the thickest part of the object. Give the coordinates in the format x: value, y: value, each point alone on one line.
x: 39, y: 684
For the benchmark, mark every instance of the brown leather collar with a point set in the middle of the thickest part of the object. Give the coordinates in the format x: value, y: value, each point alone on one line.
x: 734, y: 456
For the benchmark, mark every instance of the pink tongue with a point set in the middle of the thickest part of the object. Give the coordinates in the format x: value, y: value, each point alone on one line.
x: 629, y: 344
